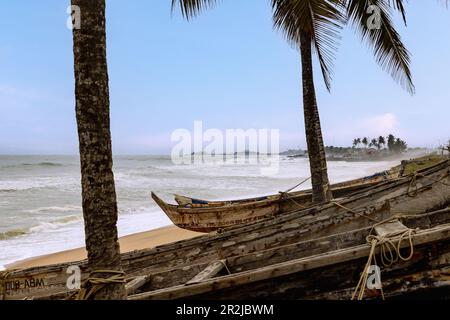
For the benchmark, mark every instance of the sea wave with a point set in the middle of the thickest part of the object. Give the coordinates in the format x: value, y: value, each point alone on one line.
x: 55, y: 209
x: 44, y: 182
x: 37, y: 165
x: 41, y: 227
x: 44, y: 164
x: 13, y: 234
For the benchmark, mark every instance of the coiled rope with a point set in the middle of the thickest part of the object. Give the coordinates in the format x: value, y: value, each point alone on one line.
x: 94, y: 284
x: 389, y: 253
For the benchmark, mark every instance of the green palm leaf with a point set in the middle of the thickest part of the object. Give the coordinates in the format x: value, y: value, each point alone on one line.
x: 191, y: 8
x: 388, y: 48
x: 322, y: 20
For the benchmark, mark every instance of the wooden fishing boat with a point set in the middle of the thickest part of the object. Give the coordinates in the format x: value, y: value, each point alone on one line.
x: 324, y: 268
x: 206, y: 216
x: 430, y: 191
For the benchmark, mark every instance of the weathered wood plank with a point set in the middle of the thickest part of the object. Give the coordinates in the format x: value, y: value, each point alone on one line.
x: 209, y: 272
x: 136, y: 283
x: 391, y: 227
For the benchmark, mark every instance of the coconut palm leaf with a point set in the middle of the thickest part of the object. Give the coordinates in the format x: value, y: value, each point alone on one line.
x: 398, y: 5
x: 389, y: 51
x: 322, y: 20
x: 191, y: 8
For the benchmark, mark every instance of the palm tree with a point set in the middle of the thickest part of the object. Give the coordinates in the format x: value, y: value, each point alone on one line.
x: 317, y: 24
x: 355, y: 143
x: 391, y: 142
x: 400, y: 145
x: 374, y: 143
x: 381, y: 142
x: 365, y: 141
x: 97, y: 180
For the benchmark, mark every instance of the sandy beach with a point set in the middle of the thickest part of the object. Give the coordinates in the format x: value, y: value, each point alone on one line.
x: 128, y: 243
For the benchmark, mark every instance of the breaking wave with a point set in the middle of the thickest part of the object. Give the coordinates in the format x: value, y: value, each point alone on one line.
x: 42, y: 227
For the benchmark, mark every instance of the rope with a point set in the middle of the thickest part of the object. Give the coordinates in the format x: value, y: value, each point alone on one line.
x: 353, y: 211
x: 297, y: 185
x: 435, y: 180
x: 389, y: 253
x: 411, y: 183
x: 296, y: 203
x: 225, y: 265
x: 285, y: 193
x: 94, y: 284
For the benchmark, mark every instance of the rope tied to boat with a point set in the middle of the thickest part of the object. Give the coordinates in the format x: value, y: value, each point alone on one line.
x: 93, y: 284
x: 413, y: 184
x: 389, y: 253
x: 285, y: 194
x: 296, y: 186
x: 353, y: 211
x: 435, y: 180
x: 225, y: 265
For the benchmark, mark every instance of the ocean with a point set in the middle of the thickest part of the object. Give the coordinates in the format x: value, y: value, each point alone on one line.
x: 40, y: 196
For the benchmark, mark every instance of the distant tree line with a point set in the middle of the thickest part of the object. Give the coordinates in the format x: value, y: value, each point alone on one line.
x: 392, y: 143
x: 445, y: 148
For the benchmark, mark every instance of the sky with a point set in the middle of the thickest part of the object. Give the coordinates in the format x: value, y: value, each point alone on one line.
x: 227, y: 68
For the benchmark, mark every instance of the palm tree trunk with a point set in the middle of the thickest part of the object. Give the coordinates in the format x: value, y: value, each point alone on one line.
x: 92, y: 112
x: 316, y: 151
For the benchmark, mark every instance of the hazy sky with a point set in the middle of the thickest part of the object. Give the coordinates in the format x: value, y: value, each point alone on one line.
x: 228, y: 68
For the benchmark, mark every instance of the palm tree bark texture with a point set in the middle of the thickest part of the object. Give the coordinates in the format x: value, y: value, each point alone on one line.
x: 92, y: 113
x: 316, y: 151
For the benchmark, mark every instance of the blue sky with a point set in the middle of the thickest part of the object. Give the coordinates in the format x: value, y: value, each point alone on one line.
x: 228, y: 68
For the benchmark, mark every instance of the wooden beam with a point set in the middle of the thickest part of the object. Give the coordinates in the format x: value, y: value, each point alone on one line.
x: 209, y: 272
x: 136, y: 283
x: 391, y: 227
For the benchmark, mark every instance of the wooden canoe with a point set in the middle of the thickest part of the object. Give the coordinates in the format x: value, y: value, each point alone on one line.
x: 206, y: 216
x: 324, y: 268
x: 431, y: 192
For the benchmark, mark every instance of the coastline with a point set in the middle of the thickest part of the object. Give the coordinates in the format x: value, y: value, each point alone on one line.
x: 136, y: 241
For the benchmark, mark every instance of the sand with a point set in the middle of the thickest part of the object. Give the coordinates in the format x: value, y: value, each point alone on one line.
x: 129, y: 243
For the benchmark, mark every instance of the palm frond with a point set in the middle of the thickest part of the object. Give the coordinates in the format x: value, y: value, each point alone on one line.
x: 390, y: 53
x: 398, y: 5
x: 322, y: 20
x: 191, y: 8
